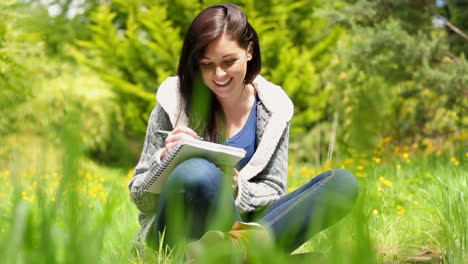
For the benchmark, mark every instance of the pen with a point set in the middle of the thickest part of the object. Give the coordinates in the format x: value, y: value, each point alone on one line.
x: 165, y: 133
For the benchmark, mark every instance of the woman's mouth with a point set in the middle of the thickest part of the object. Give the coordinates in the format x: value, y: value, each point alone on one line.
x: 223, y: 83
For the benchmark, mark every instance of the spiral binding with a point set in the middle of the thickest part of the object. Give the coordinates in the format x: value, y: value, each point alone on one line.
x: 154, y: 174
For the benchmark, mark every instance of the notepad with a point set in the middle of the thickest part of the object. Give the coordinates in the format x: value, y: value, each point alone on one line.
x: 221, y: 155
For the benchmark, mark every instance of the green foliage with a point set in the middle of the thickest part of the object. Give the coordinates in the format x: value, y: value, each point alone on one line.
x: 455, y: 12
x: 76, y: 211
x: 47, y: 217
x: 58, y: 22
x: 68, y: 93
x: 450, y: 213
x: 382, y: 68
x: 18, y: 54
x: 293, y: 56
x: 133, y: 57
x: 390, y: 79
x: 135, y: 46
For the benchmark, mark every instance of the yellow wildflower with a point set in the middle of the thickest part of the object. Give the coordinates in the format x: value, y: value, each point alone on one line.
x: 305, y: 171
x: 361, y: 175
x: 414, y: 204
x: 360, y: 167
x: 455, y: 161
x: 375, y: 212
x: 5, y: 174
x: 377, y: 160
x: 385, y: 182
x: 400, y: 210
x: 387, y: 139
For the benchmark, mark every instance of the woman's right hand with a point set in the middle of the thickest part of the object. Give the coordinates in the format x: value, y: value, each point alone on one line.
x: 175, y: 136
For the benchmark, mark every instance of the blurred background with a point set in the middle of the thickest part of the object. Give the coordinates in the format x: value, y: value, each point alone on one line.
x: 372, y: 82
x: 358, y: 72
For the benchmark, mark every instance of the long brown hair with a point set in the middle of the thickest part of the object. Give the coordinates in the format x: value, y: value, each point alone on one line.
x: 205, y: 113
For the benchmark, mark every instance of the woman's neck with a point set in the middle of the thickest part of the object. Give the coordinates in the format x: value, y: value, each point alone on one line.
x: 237, y: 110
x: 240, y: 103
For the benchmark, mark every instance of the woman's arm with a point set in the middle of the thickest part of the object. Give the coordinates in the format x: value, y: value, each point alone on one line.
x: 150, y: 157
x: 270, y: 184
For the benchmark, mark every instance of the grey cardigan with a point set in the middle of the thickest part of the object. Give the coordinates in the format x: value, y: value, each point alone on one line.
x: 261, y: 181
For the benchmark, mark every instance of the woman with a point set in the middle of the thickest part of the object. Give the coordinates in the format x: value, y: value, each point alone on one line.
x: 220, y: 62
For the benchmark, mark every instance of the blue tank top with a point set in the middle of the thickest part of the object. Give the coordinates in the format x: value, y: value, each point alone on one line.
x: 246, y: 138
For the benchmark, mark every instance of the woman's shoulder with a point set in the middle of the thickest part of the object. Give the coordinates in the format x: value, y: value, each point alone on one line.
x: 169, y: 85
x: 274, y: 98
x: 168, y: 90
x: 168, y: 97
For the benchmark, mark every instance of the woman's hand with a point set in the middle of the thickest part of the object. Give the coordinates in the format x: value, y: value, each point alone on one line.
x: 175, y: 136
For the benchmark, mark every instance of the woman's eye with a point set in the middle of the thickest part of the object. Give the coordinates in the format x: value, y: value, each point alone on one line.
x: 229, y: 63
x: 206, y: 65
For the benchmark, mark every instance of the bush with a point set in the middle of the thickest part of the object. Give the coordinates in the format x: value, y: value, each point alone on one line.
x: 18, y: 52
x: 389, y: 79
x: 135, y: 45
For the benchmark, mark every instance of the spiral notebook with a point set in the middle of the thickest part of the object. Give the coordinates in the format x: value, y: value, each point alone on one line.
x: 221, y: 155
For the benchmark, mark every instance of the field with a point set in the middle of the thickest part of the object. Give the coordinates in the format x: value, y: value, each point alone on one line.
x: 56, y: 206
x: 78, y: 82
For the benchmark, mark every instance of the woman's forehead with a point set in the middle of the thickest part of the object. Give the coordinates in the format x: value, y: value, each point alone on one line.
x: 223, y: 46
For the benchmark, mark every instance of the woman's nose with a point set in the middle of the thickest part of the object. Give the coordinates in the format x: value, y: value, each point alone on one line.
x: 219, y: 72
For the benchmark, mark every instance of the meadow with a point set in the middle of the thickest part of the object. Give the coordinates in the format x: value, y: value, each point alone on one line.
x: 76, y: 91
x: 57, y: 206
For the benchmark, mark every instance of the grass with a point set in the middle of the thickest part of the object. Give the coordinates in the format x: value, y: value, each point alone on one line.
x: 56, y: 206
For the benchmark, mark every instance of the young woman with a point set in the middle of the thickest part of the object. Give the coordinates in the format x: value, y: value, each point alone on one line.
x: 220, y: 65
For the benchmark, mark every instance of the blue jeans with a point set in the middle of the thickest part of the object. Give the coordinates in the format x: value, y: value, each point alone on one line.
x: 193, y: 196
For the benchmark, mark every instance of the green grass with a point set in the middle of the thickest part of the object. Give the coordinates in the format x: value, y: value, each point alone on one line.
x: 58, y: 207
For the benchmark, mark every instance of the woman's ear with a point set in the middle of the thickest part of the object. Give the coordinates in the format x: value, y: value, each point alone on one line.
x: 250, y: 51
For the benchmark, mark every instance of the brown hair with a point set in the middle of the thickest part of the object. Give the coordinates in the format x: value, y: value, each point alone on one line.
x: 208, y: 25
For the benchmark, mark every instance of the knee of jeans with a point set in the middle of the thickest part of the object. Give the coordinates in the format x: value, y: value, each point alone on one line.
x: 346, y: 185
x: 196, y: 175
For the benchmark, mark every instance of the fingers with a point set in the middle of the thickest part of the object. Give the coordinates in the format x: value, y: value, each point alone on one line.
x: 176, y: 135
x: 185, y: 130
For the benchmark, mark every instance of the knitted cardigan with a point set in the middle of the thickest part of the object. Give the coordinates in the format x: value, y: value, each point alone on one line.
x: 261, y: 181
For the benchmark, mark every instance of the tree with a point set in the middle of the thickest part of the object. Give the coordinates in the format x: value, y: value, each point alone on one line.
x: 397, y: 76
x: 135, y: 45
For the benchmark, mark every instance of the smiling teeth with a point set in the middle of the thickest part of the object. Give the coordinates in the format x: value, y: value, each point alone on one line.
x: 223, y: 83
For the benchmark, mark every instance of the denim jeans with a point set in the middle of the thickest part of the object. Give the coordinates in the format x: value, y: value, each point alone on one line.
x: 193, y: 196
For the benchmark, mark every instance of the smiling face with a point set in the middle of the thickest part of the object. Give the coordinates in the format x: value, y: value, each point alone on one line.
x: 223, y: 67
